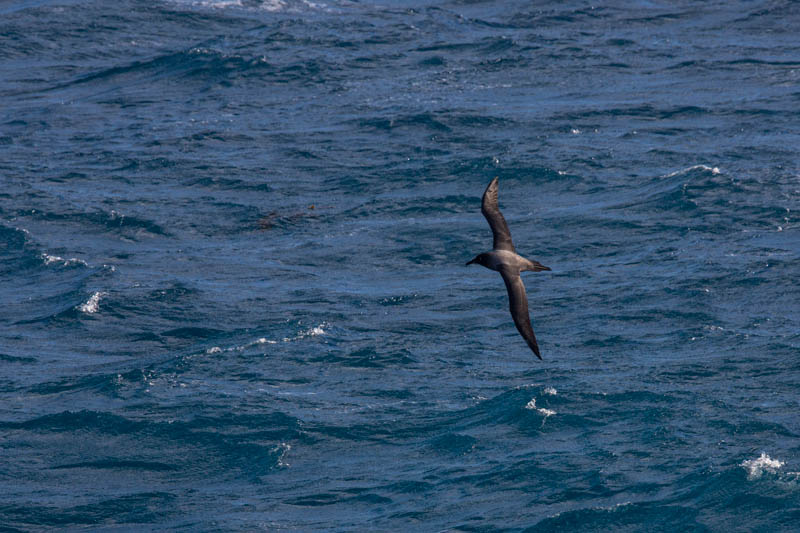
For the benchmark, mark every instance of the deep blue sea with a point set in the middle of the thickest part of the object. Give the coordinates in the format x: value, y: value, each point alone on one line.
x: 232, y: 284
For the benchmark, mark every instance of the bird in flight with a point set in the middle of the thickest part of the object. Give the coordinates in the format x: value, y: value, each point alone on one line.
x: 504, y: 259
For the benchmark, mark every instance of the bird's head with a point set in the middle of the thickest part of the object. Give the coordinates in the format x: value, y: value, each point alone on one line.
x: 480, y: 259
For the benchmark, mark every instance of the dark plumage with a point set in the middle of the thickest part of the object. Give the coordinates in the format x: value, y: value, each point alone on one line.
x: 504, y: 259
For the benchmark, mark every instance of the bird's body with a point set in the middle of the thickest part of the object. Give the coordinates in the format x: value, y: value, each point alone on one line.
x: 498, y: 259
x: 504, y: 259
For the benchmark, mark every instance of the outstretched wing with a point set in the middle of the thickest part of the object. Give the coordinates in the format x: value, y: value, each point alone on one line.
x: 489, y: 208
x: 518, y: 303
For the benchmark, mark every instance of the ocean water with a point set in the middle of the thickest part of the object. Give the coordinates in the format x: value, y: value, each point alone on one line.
x: 232, y: 247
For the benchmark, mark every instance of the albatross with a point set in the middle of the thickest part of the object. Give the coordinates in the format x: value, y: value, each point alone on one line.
x: 504, y: 259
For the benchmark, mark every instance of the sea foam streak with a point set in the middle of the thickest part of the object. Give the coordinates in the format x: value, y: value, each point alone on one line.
x: 311, y: 332
x: 713, y: 170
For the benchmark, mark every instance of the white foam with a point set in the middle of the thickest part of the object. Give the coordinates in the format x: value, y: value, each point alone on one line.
x: 311, y: 332
x: 50, y: 259
x: 265, y: 5
x: 550, y: 391
x: 713, y: 170
x: 282, y: 449
x: 575, y: 131
x: 93, y: 304
x: 756, y: 467
x: 262, y: 340
x: 532, y: 405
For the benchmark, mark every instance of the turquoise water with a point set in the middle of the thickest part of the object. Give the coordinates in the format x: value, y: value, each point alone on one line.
x: 232, y: 247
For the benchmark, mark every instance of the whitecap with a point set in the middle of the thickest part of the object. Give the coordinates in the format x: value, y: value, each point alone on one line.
x: 532, y: 405
x: 93, y: 304
x: 313, y: 332
x: 756, y: 467
x: 550, y: 391
x: 714, y: 170
x: 261, y: 340
x: 50, y: 259
x: 310, y: 332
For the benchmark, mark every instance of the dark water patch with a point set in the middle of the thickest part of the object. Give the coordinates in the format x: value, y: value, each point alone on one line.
x: 453, y: 443
x: 368, y: 357
x: 433, y: 61
x: 126, y: 464
x: 201, y: 138
x: 479, y: 121
x: 17, y: 359
x: 620, y: 42
x: 69, y: 176
x: 136, y: 508
x: 423, y: 121
x: 195, y: 332
x: 173, y: 293
x: 644, y: 112
x: 400, y: 394
x: 686, y: 374
x: 359, y: 496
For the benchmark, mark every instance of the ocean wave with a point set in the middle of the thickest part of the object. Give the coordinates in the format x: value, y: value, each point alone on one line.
x: 624, y: 516
x: 252, y: 445
x: 129, y: 226
x: 199, y: 63
x: 687, y: 189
